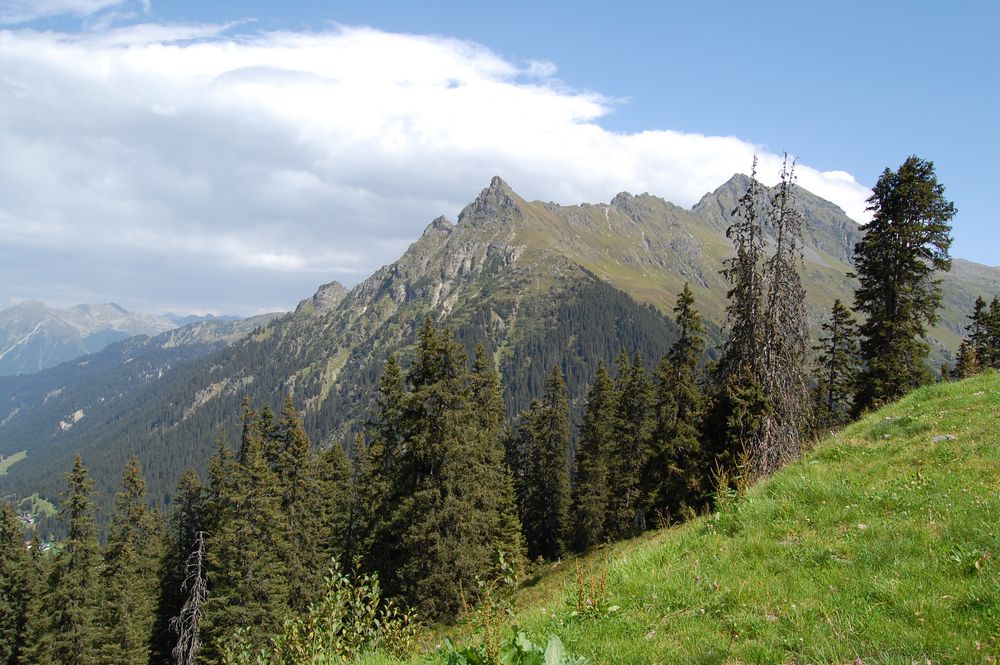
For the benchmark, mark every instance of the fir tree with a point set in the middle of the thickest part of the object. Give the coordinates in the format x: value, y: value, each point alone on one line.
x: 332, y: 507
x: 14, y: 591
x: 246, y: 552
x: 966, y: 361
x: 674, y: 473
x: 187, y: 518
x: 73, y: 625
x: 444, y: 484
x: 130, y: 567
x: 906, y: 241
x: 295, y: 475
x: 991, y: 358
x: 837, y: 366
x: 633, y: 421
x: 590, y: 489
x: 545, y: 515
x: 978, y: 330
x: 785, y: 333
x: 36, y: 641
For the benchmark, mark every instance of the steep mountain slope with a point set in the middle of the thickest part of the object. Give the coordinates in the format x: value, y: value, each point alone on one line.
x: 34, y: 336
x: 536, y: 283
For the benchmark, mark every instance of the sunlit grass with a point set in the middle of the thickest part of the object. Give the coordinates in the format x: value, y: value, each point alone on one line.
x: 883, y: 543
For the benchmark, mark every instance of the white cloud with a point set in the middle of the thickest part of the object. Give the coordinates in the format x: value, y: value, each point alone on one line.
x: 23, y: 11
x: 187, y: 166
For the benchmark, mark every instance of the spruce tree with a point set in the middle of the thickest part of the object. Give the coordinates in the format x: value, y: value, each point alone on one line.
x: 332, y: 508
x: 36, y: 641
x: 735, y: 425
x: 978, y: 330
x: 130, y: 568
x: 546, y: 492
x: 674, y: 473
x: 187, y: 518
x: 633, y: 421
x: 247, y: 550
x: 786, y: 337
x: 992, y: 356
x: 905, y: 243
x: 966, y: 361
x: 837, y: 366
x: 590, y: 489
x: 295, y: 473
x: 445, y: 500
x: 73, y: 624
x: 14, y: 591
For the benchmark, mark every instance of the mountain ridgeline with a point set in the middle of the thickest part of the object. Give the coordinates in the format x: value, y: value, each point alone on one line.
x: 537, y: 284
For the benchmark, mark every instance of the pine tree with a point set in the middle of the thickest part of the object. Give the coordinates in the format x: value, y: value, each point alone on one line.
x: 837, y: 366
x: 991, y: 358
x: 590, y: 489
x: 735, y: 425
x: 966, y: 361
x: 187, y: 518
x: 36, y: 642
x: 130, y: 568
x: 332, y: 506
x: 14, y: 591
x: 246, y: 552
x: 444, y: 484
x: 297, y: 483
x: 545, y: 515
x: 786, y: 336
x: 906, y: 241
x: 674, y: 473
x: 75, y: 596
x: 633, y: 430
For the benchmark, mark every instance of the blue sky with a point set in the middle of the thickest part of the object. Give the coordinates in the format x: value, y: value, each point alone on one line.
x: 848, y: 87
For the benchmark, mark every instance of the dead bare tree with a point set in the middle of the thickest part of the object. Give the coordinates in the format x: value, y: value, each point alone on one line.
x: 186, y: 623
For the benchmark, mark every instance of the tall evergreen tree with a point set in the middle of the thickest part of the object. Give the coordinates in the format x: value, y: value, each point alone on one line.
x: 445, y: 497
x: 130, y: 569
x: 633, y: 430
x: 905, y: 243
x: 786, y: 335
x: 187, y: 518
x: 966, y: 361
x: 246, y: 552
x: 36, y: 641
x: 978, y: 330
x: 837, y: 365
x: 74, y: 596
x: 735, y: 425
x: 332, y: 506
x: 545, y: 514
x: 14, y: 591
x: 992, y: 356
x: 674, y: 473
x: 295, y: 473
x: 590, y: 489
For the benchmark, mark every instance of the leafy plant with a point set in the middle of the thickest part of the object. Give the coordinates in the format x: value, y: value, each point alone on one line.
x: 516, y: 650
x: 351, y: 617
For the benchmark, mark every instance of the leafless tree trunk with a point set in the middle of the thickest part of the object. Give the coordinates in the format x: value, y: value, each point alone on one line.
x: 186, y: 623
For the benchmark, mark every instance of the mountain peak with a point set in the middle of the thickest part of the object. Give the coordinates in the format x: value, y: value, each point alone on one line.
x: 496, y: 202
x: 438, y: 225
x: 327, y: 297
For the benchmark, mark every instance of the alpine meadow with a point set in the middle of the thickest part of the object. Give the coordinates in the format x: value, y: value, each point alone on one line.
x: 754, y: 425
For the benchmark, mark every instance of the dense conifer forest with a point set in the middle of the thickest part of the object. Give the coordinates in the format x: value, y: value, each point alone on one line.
x: 456, y: 479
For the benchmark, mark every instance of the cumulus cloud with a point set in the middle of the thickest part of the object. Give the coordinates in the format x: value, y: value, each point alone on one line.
x: 173, y: 166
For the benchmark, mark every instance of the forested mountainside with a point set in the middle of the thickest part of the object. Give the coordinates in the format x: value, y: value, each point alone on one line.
x: 537, y: 283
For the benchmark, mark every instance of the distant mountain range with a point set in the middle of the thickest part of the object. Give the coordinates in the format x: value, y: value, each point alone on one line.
x: 537, y: 283
x: 34, y: 336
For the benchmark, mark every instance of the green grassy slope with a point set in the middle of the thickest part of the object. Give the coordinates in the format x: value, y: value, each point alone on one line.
x: 881, y: 544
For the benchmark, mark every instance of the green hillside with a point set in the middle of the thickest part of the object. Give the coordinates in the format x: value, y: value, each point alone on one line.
x: 882, y: 544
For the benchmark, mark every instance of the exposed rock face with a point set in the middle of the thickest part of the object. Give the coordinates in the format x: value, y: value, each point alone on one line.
x: 326, y: 298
